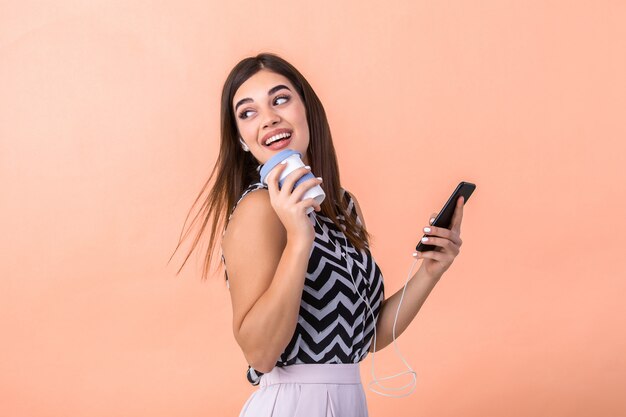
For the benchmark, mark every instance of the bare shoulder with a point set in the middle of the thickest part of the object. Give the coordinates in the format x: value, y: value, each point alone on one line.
x: 252, y: 246
x: 357, y: 207
x: 253, y: 207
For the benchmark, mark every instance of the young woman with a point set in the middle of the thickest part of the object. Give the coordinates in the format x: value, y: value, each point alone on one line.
x: 306, y: 291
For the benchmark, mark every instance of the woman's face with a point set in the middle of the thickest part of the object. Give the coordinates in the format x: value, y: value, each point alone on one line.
x: 267, y: 105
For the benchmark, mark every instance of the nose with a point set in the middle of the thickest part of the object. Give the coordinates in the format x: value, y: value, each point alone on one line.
x: 270, y: 118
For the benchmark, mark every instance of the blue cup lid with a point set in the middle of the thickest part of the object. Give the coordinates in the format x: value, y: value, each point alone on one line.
x: 275, y: 160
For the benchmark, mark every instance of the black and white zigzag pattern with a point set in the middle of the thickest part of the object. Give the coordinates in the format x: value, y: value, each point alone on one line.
x: 334, y: 323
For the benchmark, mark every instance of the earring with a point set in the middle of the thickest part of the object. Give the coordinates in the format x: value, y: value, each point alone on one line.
x: 243, y: 145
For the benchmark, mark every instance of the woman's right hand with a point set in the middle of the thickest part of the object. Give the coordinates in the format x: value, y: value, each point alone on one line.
x: 287, y: 205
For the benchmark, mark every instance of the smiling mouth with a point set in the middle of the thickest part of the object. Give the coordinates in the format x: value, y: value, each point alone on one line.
x: 278, y: 138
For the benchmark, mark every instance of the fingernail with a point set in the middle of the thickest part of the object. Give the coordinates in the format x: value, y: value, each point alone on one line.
x: 284, y: 162
x: 307, y: 167
x: 415, y: 254
x: 432, y: 220
x: 427, y: 229
x: 424, y: 239
x: 320, y: 178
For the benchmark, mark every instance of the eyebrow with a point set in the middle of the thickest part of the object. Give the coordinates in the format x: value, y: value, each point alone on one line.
x: 269, y: 93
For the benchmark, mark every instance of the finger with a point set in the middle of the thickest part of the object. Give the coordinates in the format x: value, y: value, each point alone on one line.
x: 444, y: 233
x: 440, y: 243
x: 273, y: 177
x: 457, y: 217
x: 303, y: 187
x: 309, y: 202
x: 431, y: 254
x: 293, y: 177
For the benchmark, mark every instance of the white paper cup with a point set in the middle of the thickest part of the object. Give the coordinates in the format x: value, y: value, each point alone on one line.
x: 293, y: 162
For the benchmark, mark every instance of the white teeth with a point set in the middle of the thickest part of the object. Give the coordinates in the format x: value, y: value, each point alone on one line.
x: 277, y: 137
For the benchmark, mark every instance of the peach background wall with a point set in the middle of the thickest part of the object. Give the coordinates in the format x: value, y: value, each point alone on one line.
x: 109, y: 127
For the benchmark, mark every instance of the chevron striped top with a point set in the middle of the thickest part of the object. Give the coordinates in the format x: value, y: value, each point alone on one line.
x: 334, y: 323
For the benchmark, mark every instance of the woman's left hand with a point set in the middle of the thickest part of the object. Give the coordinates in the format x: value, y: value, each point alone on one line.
x: 448, y: 243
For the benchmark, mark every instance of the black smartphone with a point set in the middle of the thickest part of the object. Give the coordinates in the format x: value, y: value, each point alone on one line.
x: 444, y: 218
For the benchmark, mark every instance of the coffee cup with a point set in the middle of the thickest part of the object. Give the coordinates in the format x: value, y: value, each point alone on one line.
x: 293, y: 161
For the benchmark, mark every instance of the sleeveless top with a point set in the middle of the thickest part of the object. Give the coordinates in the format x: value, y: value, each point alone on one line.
x: 334, y: 323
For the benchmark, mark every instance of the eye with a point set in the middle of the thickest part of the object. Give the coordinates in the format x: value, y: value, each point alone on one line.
x: 281, y: 99
x: 244, y: 114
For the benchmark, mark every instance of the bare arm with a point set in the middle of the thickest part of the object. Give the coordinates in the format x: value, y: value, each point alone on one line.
x: 266, y: 273
x: 418, y: 289
x: 435, y: 263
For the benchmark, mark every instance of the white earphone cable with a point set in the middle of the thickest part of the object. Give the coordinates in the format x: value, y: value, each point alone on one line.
x: 410, y: 370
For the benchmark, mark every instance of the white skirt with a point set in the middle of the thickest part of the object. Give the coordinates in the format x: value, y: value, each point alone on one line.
x: 309, y: 390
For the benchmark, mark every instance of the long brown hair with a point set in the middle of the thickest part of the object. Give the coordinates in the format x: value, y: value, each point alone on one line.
x: 236, y: 169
